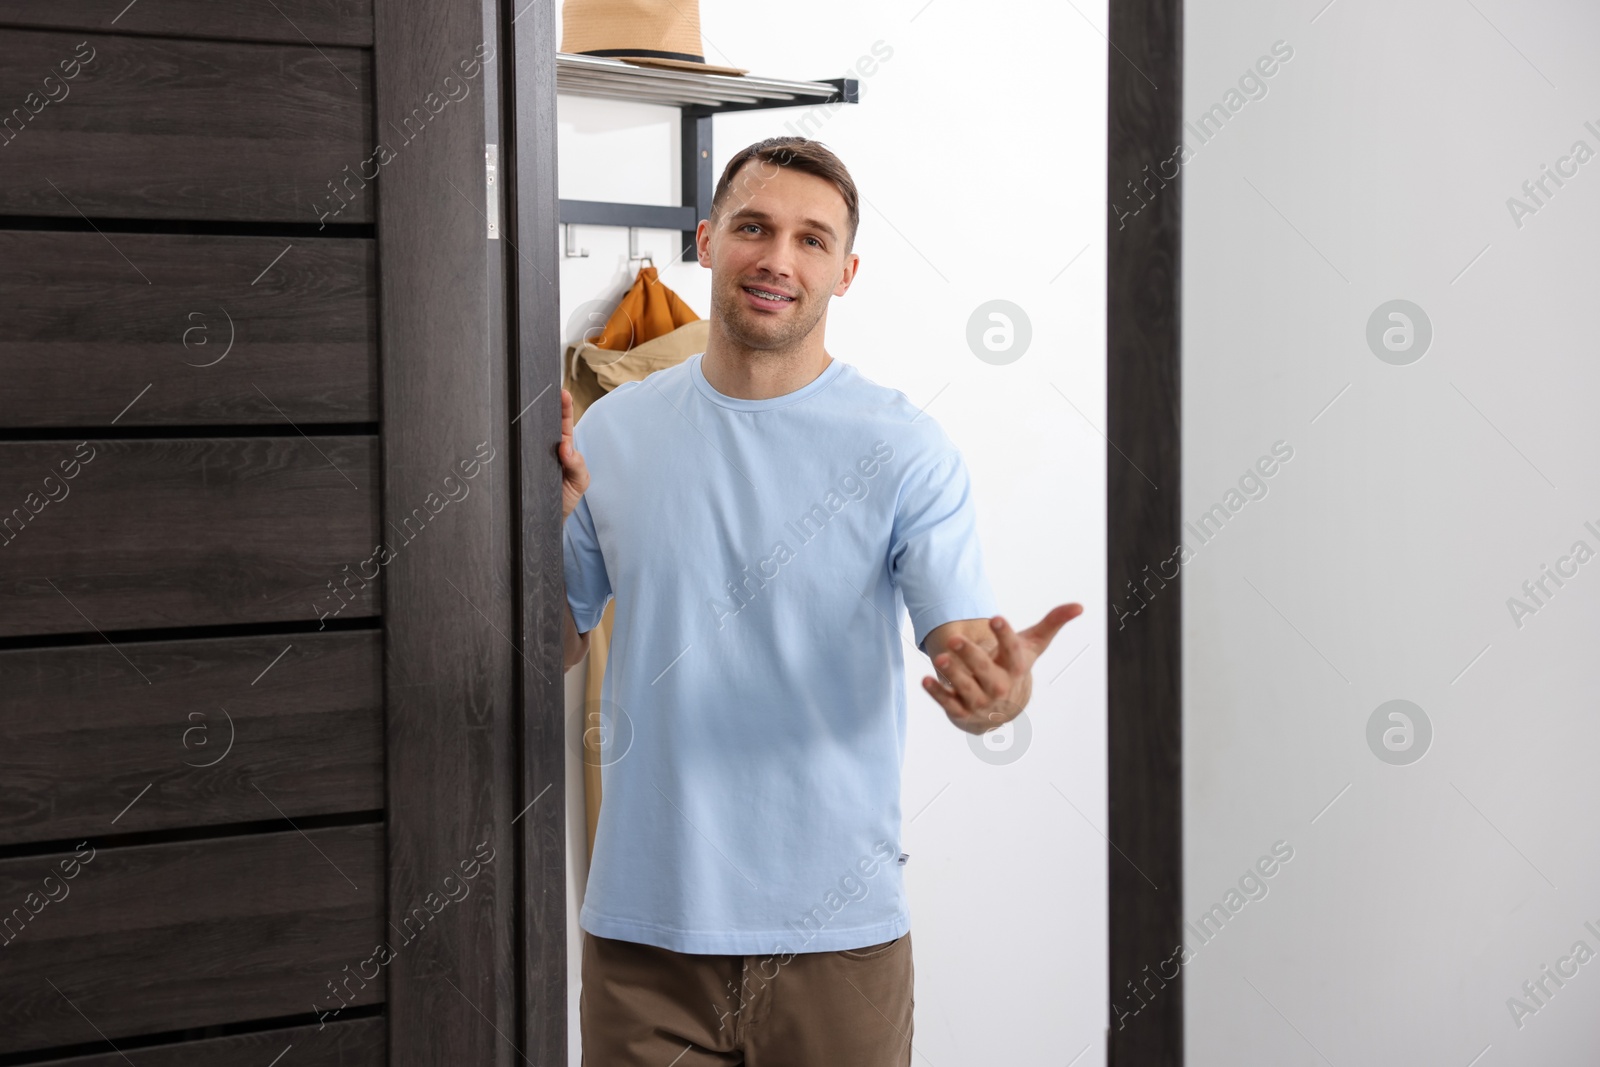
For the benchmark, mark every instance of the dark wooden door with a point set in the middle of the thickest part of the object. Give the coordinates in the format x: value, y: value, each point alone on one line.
x: 262, y: 665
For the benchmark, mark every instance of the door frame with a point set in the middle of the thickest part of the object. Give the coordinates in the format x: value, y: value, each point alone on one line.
x: 460, y: 709
x: 534, y: 265
x: 1144, y: 654
x: 1143, y: 508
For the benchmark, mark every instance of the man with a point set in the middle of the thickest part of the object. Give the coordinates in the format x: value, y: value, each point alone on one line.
x: 760, y: 512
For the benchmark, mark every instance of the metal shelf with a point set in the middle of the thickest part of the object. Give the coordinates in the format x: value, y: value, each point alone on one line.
x: 616, y: 79
x: 699, y: 97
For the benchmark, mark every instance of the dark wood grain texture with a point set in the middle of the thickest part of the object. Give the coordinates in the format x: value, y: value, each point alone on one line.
x: 346, y: 22
x: 212, y: 727
x: 1145, y: 653
x: 156, y: 128
x: 448, y: 619
x: 336, y: 1044
x: 222, y: 330
x: 155, y: 938
x: 543, y: 593
x: 186, y: 532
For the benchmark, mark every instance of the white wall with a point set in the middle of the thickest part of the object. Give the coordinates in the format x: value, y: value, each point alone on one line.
x: 979, y: 150
x: 1379, y: 566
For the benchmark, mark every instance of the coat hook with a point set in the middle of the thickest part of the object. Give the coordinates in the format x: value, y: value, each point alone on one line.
x: 572, y: 243
x: 633, y: 246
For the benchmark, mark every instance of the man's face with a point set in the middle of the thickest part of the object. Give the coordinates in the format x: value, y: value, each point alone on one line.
x: 780, y: 232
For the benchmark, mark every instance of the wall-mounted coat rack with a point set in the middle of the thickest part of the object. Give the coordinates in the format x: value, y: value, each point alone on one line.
x: 699, y: 96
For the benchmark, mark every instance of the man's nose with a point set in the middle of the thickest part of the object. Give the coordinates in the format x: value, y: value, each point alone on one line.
x: 777, y: 258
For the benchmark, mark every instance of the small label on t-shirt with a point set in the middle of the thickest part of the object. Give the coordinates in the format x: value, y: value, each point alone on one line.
x: 903, y: 857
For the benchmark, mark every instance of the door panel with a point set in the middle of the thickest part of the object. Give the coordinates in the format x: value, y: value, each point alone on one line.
x: 204, y: 298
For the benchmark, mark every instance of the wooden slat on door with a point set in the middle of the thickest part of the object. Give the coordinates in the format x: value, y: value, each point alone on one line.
x: 347, y: 22
x: 155, y: 938
x: 221, y: 330
x: 191, y: 532
x: 337, y: 1044
x: 202, y: 732
x: 159, y: 128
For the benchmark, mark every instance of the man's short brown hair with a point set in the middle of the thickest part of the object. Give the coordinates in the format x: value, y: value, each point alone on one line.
x: 800, y: 154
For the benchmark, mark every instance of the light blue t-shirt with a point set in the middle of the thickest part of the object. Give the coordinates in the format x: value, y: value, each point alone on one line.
x: 762, y: 554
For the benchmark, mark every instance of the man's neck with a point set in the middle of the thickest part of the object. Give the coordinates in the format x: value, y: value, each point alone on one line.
x: 745, y: 373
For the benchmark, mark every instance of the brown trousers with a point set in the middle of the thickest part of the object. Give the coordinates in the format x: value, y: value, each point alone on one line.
x: 646, y: 1006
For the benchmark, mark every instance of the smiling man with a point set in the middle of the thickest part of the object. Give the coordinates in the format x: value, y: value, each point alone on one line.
x: 763, y: 515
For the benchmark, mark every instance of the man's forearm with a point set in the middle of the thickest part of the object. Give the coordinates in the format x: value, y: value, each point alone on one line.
x: 573, y: 644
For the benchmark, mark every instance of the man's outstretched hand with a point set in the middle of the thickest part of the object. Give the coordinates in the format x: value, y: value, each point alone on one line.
x: 987, y: 690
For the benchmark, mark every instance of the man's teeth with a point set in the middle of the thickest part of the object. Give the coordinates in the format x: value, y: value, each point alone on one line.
x: 774, y: 297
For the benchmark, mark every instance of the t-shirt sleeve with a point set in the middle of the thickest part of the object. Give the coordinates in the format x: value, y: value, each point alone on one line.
x: 588, y: 583
x: 934, y: 556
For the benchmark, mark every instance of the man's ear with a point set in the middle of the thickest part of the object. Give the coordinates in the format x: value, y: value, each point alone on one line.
x: 852, y: 263
x: 702, y: 242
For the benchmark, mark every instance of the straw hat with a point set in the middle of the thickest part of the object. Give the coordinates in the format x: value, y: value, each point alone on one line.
x: 653, y: 33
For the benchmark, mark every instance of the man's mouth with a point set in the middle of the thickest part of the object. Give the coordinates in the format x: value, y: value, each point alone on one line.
x: 771, y: 296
